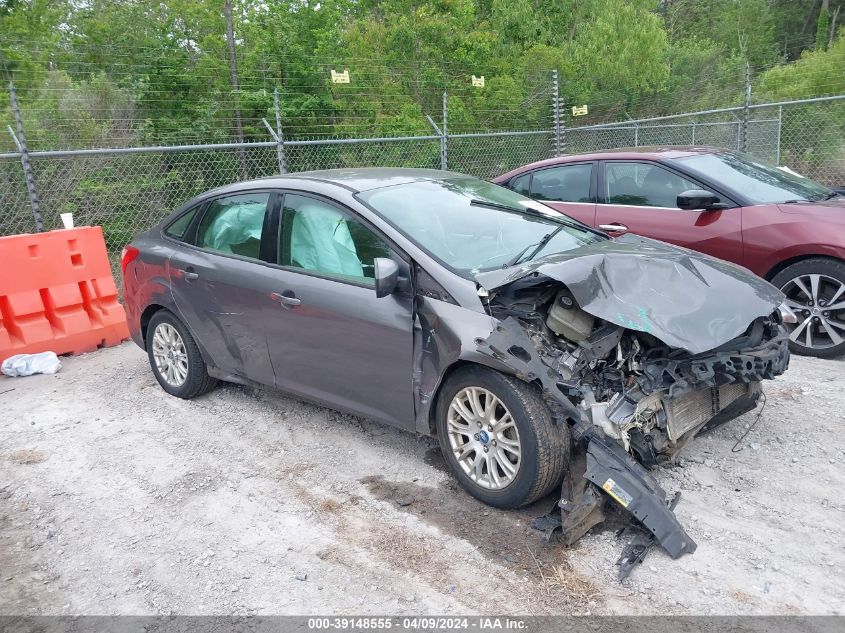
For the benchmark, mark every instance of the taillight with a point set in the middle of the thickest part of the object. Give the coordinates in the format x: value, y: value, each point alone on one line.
x: 128, y: 254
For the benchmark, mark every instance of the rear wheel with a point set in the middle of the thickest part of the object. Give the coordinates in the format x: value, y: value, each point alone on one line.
x: 175, y: 358
x: 815, y: 290
x: 498, y: 438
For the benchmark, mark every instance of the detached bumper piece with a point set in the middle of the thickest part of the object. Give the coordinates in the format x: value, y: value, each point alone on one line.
x: 610, y: 468
x: 638, y: 543
x: 612, y: 471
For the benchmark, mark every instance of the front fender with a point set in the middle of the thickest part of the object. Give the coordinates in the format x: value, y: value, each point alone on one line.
x: 445, y: 335
x: 774, y: 260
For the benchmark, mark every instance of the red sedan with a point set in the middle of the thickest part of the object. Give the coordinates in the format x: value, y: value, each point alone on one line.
x: 785, y: 228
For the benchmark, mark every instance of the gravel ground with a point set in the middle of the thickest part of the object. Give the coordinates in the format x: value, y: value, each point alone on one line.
x: 116, y: 498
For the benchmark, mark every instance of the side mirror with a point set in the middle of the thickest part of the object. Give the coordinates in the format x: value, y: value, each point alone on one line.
x: 387, y: 276
x: 699, y: 200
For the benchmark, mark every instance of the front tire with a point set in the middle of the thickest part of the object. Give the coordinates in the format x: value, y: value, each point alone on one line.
x: 815, y: 290
x: 526, y: 453
x: 175, y: 358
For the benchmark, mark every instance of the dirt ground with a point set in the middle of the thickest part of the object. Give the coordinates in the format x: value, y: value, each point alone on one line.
x: 116, y: 498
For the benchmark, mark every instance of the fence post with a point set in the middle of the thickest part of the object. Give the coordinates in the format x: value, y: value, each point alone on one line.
x: 780, y: 126
x: 280, y: 139
x: 556, y: 111
x: 444, y: 155
x: 20, y: 141
x: 563, y: 129
x: 743, y: 130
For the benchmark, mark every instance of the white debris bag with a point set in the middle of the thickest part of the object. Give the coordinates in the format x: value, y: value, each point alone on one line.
x: 28, y: 364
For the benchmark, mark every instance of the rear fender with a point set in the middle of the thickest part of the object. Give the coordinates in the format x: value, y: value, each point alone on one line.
x: 146, y: 281
x: 151, y: 288
x: 148, y: 290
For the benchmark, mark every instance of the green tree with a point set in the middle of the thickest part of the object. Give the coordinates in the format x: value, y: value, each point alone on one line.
x: 817, y: 73
x: 823, y: 25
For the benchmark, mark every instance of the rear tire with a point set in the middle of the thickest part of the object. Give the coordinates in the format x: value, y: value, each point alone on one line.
x: 812, y: 287
x: 175, y: 358
x: 543, y: 446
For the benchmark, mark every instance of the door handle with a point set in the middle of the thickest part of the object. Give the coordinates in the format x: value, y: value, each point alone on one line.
x: 614, y: 227
x: 189, y: 274
x: 287, y: 300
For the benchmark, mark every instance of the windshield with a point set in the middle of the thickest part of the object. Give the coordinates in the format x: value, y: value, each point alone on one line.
x: 472, y: 226
x: 760, y: 182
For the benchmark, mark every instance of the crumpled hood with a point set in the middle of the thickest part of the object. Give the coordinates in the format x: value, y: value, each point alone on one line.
x: 687, y: 300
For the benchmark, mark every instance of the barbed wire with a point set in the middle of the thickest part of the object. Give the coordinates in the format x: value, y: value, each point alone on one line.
x: 382, y: 97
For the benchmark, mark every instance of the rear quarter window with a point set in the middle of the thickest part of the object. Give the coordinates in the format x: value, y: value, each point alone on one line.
x: 177, y: 228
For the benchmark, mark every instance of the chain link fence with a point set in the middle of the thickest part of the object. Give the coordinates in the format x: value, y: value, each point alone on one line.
x: 808, y: 135
x: 128, y: 189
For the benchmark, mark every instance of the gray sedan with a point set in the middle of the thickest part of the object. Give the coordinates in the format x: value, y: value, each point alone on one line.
x: 451, y: 307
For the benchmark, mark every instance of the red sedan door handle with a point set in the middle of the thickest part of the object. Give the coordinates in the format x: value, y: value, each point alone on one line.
x: 613, y: 227
x: 287, y: 299
x: 189, y: 275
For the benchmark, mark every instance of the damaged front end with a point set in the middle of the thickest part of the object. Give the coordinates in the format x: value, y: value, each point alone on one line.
x: 638, y: 346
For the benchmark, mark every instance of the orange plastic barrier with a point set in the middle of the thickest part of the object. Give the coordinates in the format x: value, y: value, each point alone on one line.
x: 57, y: 293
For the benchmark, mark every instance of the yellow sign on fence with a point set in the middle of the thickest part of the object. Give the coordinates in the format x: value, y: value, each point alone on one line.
x: 478, y: 82
x: 579, y: 110
x: 340, y: 78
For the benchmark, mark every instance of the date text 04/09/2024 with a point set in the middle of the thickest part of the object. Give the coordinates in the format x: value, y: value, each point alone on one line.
x: 424, y: 623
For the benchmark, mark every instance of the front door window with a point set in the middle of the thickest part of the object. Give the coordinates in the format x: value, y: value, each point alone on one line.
x: 321, y: 238
x: 643, y: 185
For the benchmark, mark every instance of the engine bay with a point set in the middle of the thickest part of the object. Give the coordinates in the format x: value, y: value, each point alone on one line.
x: 631, y: 401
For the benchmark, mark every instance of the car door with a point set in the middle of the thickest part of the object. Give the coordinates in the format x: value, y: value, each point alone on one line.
x: 216, y: 280
x: 329, y: 337
x: 569, y: 188
x: 640, y: 197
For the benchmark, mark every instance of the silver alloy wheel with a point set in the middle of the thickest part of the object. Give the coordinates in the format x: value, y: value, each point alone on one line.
x: 819, y: 303
x: 483, y: 438
x: 170, y: 356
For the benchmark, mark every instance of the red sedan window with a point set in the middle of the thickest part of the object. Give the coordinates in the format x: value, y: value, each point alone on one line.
x: 643, y: 185
x: 520, y: 184
x: 566, y: 183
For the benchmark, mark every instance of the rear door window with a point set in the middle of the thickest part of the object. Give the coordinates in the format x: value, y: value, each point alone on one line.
x: 566, y: 183
x: 520, y: 184
x: 233, y: 224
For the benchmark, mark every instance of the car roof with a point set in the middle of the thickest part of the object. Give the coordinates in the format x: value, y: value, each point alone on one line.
x: 623, y: 153
x: 359, y: 179
x: 349, y: 180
